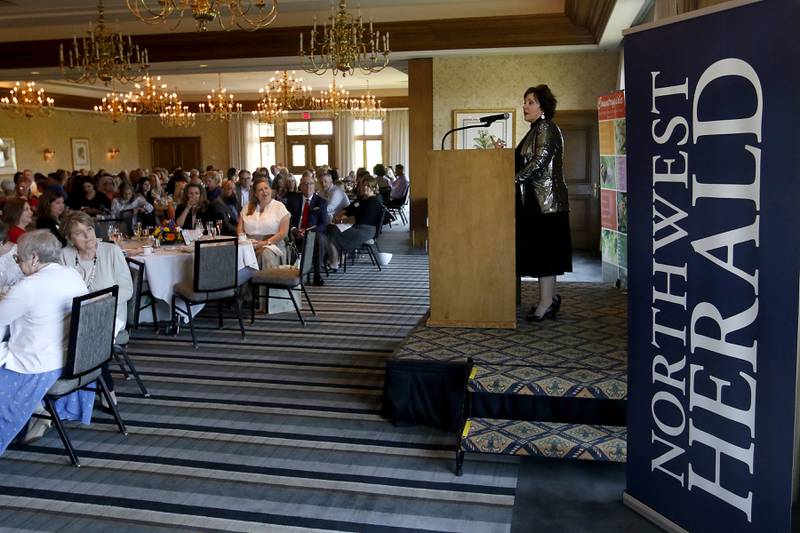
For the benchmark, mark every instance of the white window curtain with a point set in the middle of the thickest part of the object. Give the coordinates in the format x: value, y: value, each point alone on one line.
x: 345, y: 144
x: 396, y: 134
x: 243, y: 142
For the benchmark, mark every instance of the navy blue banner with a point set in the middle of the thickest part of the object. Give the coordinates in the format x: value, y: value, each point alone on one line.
x: 713, y: 104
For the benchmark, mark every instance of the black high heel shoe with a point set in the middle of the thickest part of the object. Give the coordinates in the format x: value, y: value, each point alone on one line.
x: 557, y: 302
x: 550, y: 312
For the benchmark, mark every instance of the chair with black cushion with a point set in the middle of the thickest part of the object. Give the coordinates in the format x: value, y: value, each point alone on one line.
x: 286, y: 278
x: 91, y: 336
x: 141, y: 290
x: 370, y: 247
x: 398, y: 207
x: 120, y: 353
x: 215, y: 280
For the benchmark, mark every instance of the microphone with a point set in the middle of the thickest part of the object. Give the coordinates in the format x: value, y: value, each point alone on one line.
x: 488, y: 119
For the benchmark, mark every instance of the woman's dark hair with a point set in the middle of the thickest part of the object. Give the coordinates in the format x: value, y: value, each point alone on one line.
x: 334, y: 174
x: 379, y: 170
x: 547, y: 101
x: 12, y: 210
x: 231, y: 172
x: 49, y: 196
x: 3, y: 231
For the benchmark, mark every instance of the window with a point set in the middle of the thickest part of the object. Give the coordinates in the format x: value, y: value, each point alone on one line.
x: 310, y: 144
x: 266, y: 136
x: 368, y: 143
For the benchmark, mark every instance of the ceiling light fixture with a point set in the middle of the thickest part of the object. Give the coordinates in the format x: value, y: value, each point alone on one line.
x: 103, y: 55
x: 334, y: 101
x: 28, y: 101
x: 152, y: 97
x: 116, y: 106
x: 367, y: 107
x: 177, y: 115
x: 247, y: 15
x: 345, y: 45
x: 221, y: 105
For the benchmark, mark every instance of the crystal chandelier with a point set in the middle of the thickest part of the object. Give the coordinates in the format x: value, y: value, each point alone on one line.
x: 177, y: 115
x: 152, y: 97
x: 345, y: 45
x: 103, y: 55
x: 247, y: 15
x: 221, y: 105
x: 28, y: 101
x: 116, y: 106
x: 367, y: 107
x: 334, y: 100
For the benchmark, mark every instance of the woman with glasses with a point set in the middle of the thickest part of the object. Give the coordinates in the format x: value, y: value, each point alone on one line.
x: 100, y: 265
x: 37, y: 308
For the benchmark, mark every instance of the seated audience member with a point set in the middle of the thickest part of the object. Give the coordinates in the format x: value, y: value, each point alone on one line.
x: 93, y: 203
x: 243, y: 187
x: 9, y: 270
x: 194, y: 176
x: 130, y: 207
x: 100, y: 265
x: 194, y: 210
x: 267, y: 221
x: 51, y: 208
x: 336, y: 198
x: 379, y: 171
x: 107, y: 186
x: 17, y: 213
x: 227, y: 208
x: 308, y: 211
x: 400, y: 185
x: 6, y: 192
x: 144, y: 190
x: 280, y: 186
x: 232, y: 175
x: 212, y: 185
x: 37, y: 309
x: 366, y: 215
x: 390, y: 175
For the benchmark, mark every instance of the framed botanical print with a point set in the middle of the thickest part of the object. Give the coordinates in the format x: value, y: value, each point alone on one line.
x: 482, y: 138
x: 8, y: 156
x: 81, y: 157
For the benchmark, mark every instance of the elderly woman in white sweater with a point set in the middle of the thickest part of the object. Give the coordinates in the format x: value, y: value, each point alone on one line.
x: 100, y: 265
x: 37, y: 309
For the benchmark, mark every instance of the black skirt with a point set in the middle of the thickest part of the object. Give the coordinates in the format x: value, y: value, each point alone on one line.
x: 544, y: 246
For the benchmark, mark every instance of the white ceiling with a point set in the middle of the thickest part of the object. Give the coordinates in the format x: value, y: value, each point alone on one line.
x: 48, y: 19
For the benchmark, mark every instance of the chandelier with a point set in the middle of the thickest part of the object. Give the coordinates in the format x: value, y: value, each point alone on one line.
x: 269, y: 112
x: 28, y: 101
x: 247, y: 15
x: 345, y: 45
x: 152, y: 98
x: 287, y: 92
x: 221, y: 105
x: 103, y: 55
x: 177, y: 115
x: 334, y: 100
x: 367, y: 107
x: 116, y: 106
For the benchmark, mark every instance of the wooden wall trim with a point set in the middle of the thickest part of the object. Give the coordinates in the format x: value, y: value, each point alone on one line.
x: 591, y: 15
x: 406, y: 36
x: 420, y: 141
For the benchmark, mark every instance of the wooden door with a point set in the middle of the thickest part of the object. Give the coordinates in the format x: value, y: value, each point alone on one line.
x: 309, y: 152
x: 581, y: 172
x: 171, y: 152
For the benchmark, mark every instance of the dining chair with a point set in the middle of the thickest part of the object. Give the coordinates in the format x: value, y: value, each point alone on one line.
x: 141, y: 290
x: 215, y: 279
x: 370, y: 247
x: 286, y: 278
x: 91, y: 336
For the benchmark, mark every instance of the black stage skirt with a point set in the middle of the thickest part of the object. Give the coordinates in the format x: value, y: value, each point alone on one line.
x: 544, y: 246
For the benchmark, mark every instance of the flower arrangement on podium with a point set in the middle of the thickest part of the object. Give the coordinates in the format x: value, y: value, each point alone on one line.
x: 168, y: 233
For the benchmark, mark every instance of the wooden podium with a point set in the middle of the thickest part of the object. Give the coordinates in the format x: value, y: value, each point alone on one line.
x: 471, y: 238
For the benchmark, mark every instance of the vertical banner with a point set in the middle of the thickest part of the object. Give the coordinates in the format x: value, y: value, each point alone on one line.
x: 714, y: 258
x: 613, y: 187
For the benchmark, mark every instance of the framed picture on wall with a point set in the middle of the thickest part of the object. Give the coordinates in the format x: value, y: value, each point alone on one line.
x: 81, y: 157
x: 482, y: 138
x: 8, y: 156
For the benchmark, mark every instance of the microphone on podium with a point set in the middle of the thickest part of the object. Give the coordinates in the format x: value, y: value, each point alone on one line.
x: 488, y: 119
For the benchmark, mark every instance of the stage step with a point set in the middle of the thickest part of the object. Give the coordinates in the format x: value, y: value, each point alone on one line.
x: 549, y: 381
x: 542, y: 439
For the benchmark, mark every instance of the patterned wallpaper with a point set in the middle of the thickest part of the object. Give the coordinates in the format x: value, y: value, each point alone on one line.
x: 32, y: 136
x: 498, y: 82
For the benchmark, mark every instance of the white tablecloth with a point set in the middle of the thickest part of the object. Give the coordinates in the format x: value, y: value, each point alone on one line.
x: 169, y: 265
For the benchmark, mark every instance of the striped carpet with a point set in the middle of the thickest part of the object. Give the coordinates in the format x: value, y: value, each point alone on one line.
x: 279, y: 432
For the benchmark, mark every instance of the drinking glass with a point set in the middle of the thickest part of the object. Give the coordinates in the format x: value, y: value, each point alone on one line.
x: 137, y: 230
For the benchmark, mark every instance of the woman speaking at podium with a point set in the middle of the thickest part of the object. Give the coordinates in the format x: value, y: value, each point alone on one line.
x: 544, y: 249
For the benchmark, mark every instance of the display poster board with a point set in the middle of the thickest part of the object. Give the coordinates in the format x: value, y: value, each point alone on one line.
x: 714, y: 259
x: 613, y: 188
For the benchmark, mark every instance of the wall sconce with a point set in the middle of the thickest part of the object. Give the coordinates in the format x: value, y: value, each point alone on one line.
x: 48, y: 154
x: 113, y: 153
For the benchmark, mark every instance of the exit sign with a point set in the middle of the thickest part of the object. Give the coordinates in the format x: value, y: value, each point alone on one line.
x: 306, y: 115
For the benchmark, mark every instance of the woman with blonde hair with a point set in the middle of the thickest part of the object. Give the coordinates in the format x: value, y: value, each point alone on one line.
x: 267, y: 221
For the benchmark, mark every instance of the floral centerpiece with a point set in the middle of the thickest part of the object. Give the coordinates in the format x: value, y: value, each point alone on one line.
x: 168, y: 233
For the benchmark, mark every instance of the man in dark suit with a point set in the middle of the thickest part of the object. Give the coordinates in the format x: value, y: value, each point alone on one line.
x: 243, y: 187
x: 309, y: 210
